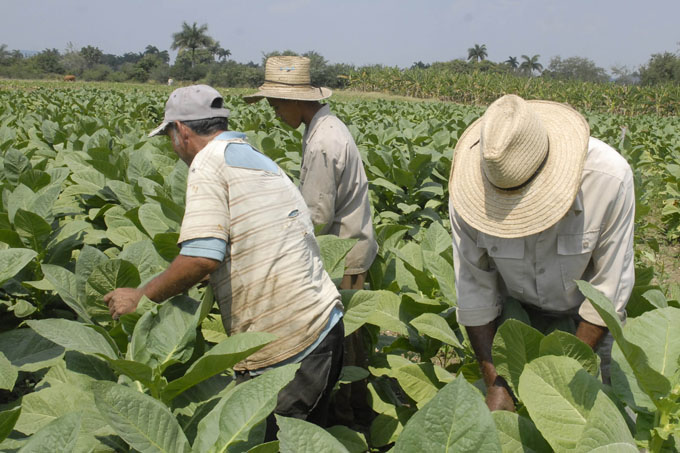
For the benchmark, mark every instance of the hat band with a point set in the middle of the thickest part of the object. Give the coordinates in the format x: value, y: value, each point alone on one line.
x: 289, y: 84
x: 525, y: 183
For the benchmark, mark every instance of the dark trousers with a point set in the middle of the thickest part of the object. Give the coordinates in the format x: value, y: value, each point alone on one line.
x: 307, y: 396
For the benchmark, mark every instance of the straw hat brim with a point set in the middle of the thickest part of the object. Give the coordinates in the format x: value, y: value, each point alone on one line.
x: 293, y: 94
x: 539, y: 204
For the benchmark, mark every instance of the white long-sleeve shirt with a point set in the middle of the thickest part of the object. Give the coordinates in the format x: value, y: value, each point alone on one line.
x: 593, y: 242
x: 334, y: 185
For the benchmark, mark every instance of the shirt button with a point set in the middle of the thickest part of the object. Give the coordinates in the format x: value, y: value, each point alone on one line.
x: 586, y: 244
x: 541, y: 271
x: 494, y: 248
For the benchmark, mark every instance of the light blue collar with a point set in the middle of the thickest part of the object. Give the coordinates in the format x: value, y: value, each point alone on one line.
x: 229, y: 135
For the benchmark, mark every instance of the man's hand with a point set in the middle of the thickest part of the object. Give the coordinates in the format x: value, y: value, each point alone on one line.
x: 122, y: 301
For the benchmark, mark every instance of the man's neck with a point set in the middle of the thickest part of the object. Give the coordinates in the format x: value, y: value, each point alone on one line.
x: 309, y: 109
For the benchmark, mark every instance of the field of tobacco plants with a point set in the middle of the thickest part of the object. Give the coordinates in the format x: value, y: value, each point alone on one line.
x: 89, y: 203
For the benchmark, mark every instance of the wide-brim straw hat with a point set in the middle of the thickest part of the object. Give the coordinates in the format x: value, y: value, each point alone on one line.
x: 288, y: 77
x: 517, y: 170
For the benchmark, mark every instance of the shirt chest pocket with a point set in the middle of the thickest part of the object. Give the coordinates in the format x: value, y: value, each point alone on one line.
x: 574, y: 252
x: 507, y: 256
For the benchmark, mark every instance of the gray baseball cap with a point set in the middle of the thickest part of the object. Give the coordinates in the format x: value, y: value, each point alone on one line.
x: 195, y: 102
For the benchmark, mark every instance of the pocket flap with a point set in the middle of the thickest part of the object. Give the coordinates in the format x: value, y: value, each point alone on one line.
x: 577, y: 244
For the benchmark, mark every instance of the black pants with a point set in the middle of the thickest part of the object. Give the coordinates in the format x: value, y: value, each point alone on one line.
x: 307, y: 396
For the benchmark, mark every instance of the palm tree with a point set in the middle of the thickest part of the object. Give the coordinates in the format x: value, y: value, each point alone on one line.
x: 512, y: 62
x: 477, y: 53
x: 218, y: 51
x: 191, y: 37
x: 531, y: 64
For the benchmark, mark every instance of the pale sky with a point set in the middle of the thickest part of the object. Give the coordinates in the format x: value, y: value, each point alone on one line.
x: 388, y: 32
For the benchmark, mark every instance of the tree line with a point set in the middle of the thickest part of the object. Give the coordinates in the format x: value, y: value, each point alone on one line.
x: 201, y: 58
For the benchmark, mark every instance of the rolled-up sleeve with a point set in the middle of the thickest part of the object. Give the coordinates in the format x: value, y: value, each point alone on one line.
x: 476, y: 283
x: 613, y: 258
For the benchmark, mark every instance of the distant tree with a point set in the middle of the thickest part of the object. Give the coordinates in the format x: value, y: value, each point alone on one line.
x: 92, y: 55
x: 530, y: 64
x: 575, y: 68
x: 4, y: 53
x: 662, y: 67
x: 477, y: 53
x: 48, y: 61
x: 512, y: 62
x: 191, y: 37
x: 419, y: 65
x: 151, y: 50
x: 621, y: 74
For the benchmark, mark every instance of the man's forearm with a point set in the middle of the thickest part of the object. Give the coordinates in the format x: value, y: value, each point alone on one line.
x: 481, y: 339
x: 591, y: 334
x: 183, y: 273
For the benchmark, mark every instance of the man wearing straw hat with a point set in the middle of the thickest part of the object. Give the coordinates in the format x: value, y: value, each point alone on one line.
x: 332, y: 178
x: 247, y: 226
x: 535, y: 204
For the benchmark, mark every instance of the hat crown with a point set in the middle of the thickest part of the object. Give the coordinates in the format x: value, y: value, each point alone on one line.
x: 513, y: 142
x: 287, y: 70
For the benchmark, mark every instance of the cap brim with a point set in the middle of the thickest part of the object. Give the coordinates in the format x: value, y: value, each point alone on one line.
x: 160, y: 130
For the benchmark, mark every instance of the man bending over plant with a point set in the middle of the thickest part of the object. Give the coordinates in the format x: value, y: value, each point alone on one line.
x: 535, y: 204
x: 247, y: 226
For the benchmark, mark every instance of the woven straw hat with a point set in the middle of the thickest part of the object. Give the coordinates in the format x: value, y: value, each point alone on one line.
x: 517, y: 169
x: 287, y: 77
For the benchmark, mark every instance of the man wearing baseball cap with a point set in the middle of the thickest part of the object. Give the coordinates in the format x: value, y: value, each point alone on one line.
x: 247, y: 226
x: 535, y: 204
x: 334, y: 185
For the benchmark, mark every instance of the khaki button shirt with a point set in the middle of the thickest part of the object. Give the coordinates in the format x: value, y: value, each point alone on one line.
x: 592, y: 242
x: 334, y: 185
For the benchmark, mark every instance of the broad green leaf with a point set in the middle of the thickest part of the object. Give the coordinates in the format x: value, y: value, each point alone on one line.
x: 300, y: 436
x: 12, y: 261
x: 221, y: 357
x: 125, y: 193
x: 514, y: 345
x: 154, y: 221
x: 651, y: 382
x: 48, y: 404
x: 380, y: 308
x: 65, y: 283
x: 353, y: 441
x: 79, y: 369
x: 134, y: 370
x: 418, y: 381
x: 656, y: 298
x: 436, y: 240
x: 143, y: 422
x: 563, y: 343
x: 436, y: 327
x: 27, y: 350
x: 655, y: 332
x: 443, y: 272
x: 8, y: 373
x: 457, y: 419
x: 33, y: 227
x: 74, y: 336
x: 165, y: 335
x: 230, y: 422
x: 268, y: 447
x: 351, y: 373
x: 88, y: 259
x: 518, y: 434
x: 333, y: 252
x: 560, y: 397
x: 605, y: 429
x: 145, y: 258
x: 385, y: 429
x: 59, y: 435
x: 166, y: 245
x: 8, y: 419
x: 105, y: 278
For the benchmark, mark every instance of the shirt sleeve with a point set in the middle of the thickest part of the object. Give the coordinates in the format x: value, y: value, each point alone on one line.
x: 323, y: 165
x: 476, y: 282
x: 206, y: 213
x: 614, y: 268
x: 212, y: 248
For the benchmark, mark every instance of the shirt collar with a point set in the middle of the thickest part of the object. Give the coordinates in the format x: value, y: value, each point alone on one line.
x: 577, y: 205
x: 228, y: 135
